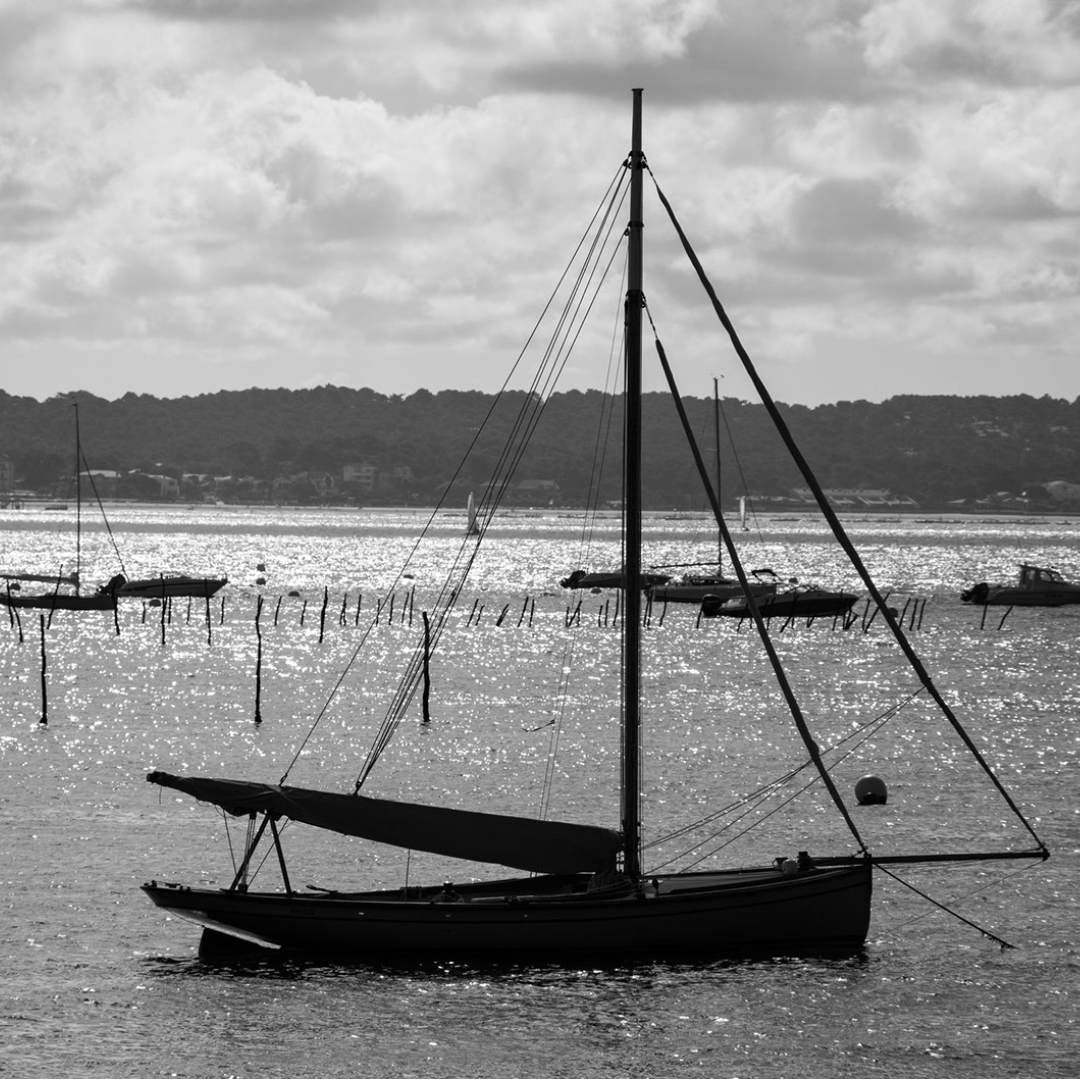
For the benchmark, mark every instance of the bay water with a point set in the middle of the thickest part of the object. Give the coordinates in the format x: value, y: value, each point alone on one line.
x: 98, y: 982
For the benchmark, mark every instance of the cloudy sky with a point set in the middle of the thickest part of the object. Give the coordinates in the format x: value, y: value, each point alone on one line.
x: 198, y: 195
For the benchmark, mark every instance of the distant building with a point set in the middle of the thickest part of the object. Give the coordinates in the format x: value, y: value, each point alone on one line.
x: 396, y: 476
x: 104, y: 481
x: 362, y: 474
x: 169, y: 486
x: 839, y: 499
x: 322, y: 482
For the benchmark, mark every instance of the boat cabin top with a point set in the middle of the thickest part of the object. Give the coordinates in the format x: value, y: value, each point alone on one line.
x: 1038, y: 575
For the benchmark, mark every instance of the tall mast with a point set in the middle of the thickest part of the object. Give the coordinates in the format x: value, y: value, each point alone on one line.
x: 631, y: 761
x: 78, y: 504
x: 719, y: 503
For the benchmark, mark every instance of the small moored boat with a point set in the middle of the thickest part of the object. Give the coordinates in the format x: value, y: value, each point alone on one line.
x: 167, y: 585
x: 1036, y: 586
x: 794, y: 602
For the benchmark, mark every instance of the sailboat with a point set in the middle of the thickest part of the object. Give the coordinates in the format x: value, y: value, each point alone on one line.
x: 586, y: 888
x: 55, y: 599
x: 472, y: 526
x: 712, y: 588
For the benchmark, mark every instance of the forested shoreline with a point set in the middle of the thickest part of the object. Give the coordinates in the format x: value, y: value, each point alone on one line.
x: 934, y: 450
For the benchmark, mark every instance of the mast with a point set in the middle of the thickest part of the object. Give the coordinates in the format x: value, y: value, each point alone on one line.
x: 78, y: 503
x: 719, y: 502
x: 631, y: 750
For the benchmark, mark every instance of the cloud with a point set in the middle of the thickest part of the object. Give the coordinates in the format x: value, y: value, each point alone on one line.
x: 281, y: 188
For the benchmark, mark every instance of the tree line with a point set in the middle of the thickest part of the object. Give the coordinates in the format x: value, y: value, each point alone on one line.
x: 934, y: 449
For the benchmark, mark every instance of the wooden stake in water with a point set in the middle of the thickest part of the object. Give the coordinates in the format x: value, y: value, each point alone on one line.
x: 44, y: 691
x: 427, y: 667
x: 258, y: 663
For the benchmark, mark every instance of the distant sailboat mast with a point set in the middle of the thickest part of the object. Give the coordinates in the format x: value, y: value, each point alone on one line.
x: 78, y: 502
x: 719, y: 501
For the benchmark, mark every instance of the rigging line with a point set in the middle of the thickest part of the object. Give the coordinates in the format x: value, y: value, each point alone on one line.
x: 763, y: 795
x: 228, y: 838
x: 834, y: 521
x: 603, y: 431
x: 559, y: 352
x: 751, y: 806
x: 603, y: 436
x: 755, y: 798
x: 527, y: 419
x: 101, y: 507
x: 938, y: 904
x: 738, y: 465
x: 575, y: 315
x: 766, y: 641
x: 541, y: 383
x: 556, y: 737
x: 616, y: 181
x: 758, y: 798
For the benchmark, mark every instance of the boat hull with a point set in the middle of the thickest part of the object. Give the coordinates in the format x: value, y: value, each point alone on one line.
x: 697, y: 592
x: 158, y: 588
x: 810, y: 603
x: 1037, y: 586
x: 1015, y: 596
x: 60, y: 602
x: 739, y: 912
x: 616, y: 580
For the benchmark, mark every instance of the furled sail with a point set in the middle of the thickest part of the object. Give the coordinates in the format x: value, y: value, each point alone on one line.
x: 546, y: 847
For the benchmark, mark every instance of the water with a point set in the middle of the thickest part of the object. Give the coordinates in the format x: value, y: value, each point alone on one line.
x: 97, y: 982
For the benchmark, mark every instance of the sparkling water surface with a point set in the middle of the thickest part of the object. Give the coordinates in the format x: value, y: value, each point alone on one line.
x: 98, y: 982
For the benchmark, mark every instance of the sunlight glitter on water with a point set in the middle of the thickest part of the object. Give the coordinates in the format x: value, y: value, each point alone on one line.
x: 83, y: 828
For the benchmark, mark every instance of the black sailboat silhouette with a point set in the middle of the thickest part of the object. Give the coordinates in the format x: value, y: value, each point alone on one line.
x: 590, y: 891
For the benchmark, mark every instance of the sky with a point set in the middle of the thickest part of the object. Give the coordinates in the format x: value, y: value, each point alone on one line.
x: 206, y: 195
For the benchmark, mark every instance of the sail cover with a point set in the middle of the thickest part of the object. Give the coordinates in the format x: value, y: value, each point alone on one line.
x: 545, y: 847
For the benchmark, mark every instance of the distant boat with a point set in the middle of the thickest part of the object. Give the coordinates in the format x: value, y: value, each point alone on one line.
x: 609, y: 579
x: 472, y: 528
x: 55, y: 599
x: 58, y: 601
x: 810, y: 601
x: 696, y: 587
x: 166, y: 585
x: 1036, y: 586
